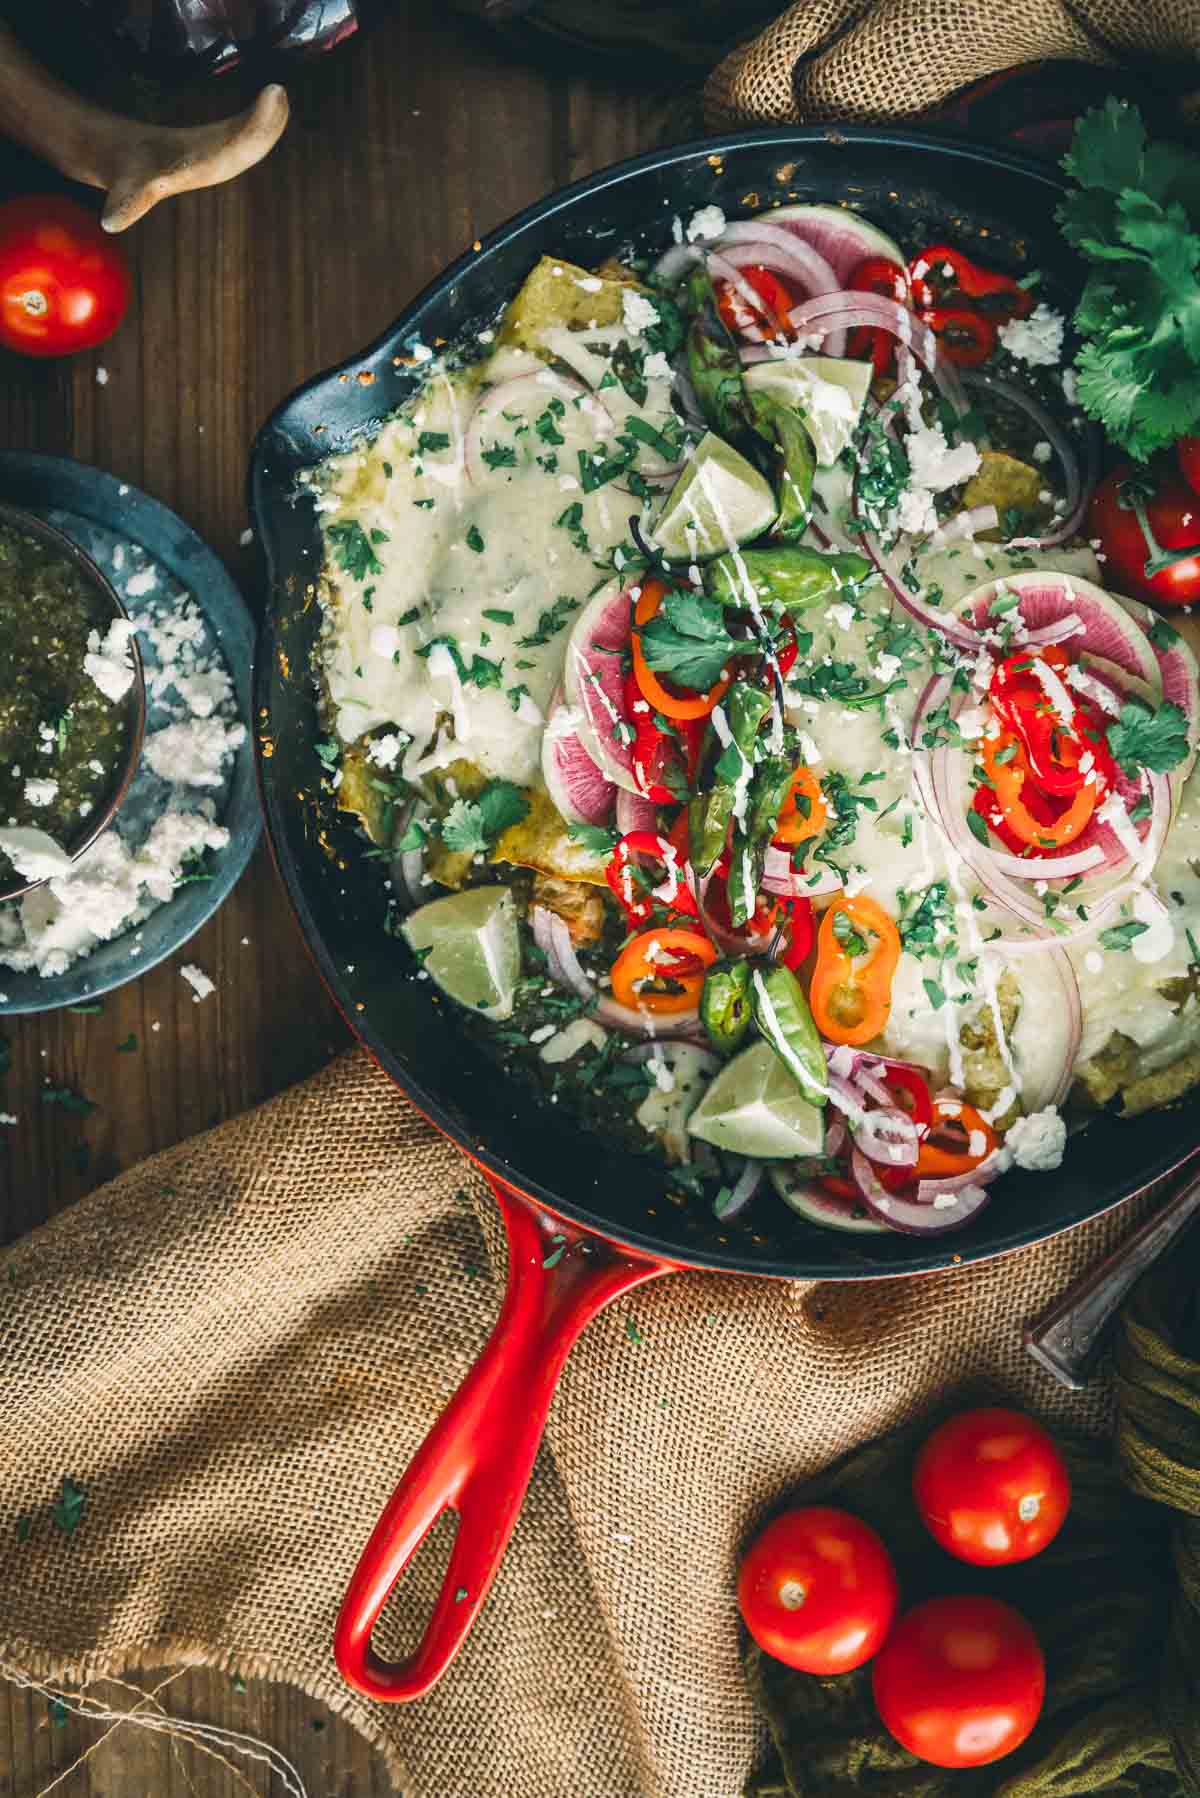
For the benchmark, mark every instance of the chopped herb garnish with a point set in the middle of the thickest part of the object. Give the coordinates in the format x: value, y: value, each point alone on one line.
x: 475, y: 540
x: 352, y: 549
x: 934, y: 993
x: 429, y: 442
x: 548, y: 624
x: 497, y: 615
x: 1120, y: 936
x: 978, y: 828
x: 473, y: 825
x: 501, y: 455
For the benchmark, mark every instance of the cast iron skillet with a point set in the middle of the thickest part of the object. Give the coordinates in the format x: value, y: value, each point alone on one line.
x: 602, y: 1208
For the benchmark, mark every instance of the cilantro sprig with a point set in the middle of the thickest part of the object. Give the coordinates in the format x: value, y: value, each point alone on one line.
x: 687, y: 639
x: 473, y: 825
x: 1142, y: 738
x: 1135, y: 215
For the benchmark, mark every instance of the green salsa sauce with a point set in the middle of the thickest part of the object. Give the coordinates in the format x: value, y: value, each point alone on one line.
x: 55, y: 723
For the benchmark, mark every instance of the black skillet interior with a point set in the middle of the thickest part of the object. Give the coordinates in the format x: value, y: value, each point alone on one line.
x: 919, y: 189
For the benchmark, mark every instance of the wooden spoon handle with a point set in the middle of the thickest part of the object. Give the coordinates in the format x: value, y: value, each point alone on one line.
x: 1068, y: 1337
x: 138, y: 164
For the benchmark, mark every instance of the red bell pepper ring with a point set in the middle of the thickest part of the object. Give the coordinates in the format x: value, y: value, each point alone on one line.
x: 655, y: 750
x: 956, y: 273
x: 1057, y: 753
x: 964, y: 337
x: 877, y: 274
x: 802, y: 932
x: 638, y: 905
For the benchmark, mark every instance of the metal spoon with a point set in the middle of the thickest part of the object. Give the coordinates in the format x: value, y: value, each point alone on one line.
x: 1067, y: 1339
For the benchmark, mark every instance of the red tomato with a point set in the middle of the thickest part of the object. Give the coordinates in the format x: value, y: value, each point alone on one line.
x: 960, y: 1681
x: 777, y: 301
x: 818, y: 1590
x: 1173, y: 514
x: 991, y: 1486
x: 64, y: 284
x: 1187, y: 454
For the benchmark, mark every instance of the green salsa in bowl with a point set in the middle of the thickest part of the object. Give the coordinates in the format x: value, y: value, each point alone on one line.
x: 72, y: 696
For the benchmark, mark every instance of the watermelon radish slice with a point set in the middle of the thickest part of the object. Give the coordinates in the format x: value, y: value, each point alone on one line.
x: 839, y: 235
x: 812, y: 1202
x: 635, y: 812
x: 593, y: 682
x: 1108, y: 630
x: 579, y: 789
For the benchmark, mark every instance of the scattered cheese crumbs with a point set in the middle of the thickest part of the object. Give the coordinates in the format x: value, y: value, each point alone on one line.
x: 657, y: 368
x: 40, y: 792
x: 421, y: 352
x: 199, y: 982
x: 1042, y: 451
x: 102, y: 376
x: 8, y: 1117
x: 843, y: 615
x: 708, y: 222
x: 383, y: 751
x: 193, y: 754
x: 141, y: 583
x: 934, y: 466
x: 589, y: 283
x: 1093, y: 961
x: 1158, y: 938
x: 543, y: 1033
x: 638, y: 312
x: 1037, y: 1142
x: 156, y: 1025
x: 1036, y: 340
x: 245, y: 942
x: 246, y: 538
x: 109, y: 662
x: 1070, y: 386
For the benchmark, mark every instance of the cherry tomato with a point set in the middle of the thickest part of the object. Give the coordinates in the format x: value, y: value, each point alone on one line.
x: 777, y: 301
x: 64, y: 284
x: 960, y: 1681
x: 1187, y: 454
x: 818, y: 1590
x: 991, y: 1486
x: 1172, y: 512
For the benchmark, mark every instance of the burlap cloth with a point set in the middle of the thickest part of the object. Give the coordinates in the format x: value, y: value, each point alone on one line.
x: 894, y: 59
x: 236, y: 1347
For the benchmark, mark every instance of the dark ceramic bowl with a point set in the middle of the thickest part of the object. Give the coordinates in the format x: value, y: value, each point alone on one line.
x: 109, y: 608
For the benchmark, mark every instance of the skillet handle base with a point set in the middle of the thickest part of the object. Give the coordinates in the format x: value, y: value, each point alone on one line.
x: 477, y: 1459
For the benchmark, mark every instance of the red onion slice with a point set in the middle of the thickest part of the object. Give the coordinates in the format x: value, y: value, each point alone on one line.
x: 946, y: 1212
x: 783, y: 882
x: 553, y: 937
x: 747, y: 1184
x: 846, y: 311
x: 889, y: 1136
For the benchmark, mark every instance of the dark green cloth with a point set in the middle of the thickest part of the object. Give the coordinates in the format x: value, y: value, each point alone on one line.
x: 1115, y: 1601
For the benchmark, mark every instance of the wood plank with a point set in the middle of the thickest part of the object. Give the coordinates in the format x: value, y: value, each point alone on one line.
x: 400, y: 152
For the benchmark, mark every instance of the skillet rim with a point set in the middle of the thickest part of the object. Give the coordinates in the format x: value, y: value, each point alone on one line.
x: 934, y: 1254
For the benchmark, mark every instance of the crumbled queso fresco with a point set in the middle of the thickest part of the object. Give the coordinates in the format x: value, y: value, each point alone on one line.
x: 1036, y: 340
x: 169, y: 821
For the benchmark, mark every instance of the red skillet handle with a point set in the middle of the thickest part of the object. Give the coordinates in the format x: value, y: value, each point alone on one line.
x: 477, y: 1458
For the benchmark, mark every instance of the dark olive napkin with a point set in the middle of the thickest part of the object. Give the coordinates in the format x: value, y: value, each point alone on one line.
x: 1115, y: 1601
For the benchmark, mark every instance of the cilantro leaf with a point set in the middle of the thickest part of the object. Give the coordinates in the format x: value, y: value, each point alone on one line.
x: 475, y: 540
x: 1120, y: 936
x: 501, y: 455
x: 596, y: 837
x: 549, y: 623
x: 430, y: 441
x: 687, y: 639
x: 473, y: 825
x: 352, y: 549
x: 1141, y: 738
x: 934, y: 993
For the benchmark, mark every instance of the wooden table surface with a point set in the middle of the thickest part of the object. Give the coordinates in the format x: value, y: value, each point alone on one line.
x: 399, y: 153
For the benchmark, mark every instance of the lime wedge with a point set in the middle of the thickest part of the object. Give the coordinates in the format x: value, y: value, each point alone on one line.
x: 828, y: 392
x: 719, y: 501
x: 474, y: 952
x: 755, y: 1107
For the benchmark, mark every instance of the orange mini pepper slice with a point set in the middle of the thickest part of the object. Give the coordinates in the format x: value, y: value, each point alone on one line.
x: 954, y: 1122
x: 851, y: 993
x: 671, y: 705
x: 657, y: 956
x: 796, y: 821
x: 1007, y: 767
